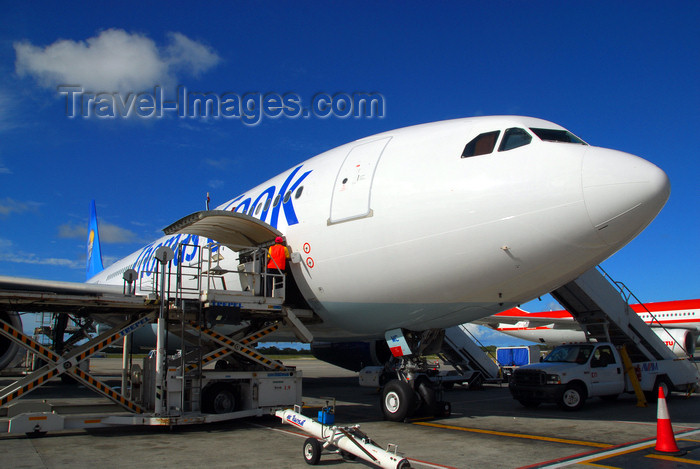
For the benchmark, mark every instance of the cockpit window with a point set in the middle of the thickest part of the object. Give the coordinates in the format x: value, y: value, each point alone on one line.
x: 482, y: 145
x: 514, y: 138
x: 555, y: 135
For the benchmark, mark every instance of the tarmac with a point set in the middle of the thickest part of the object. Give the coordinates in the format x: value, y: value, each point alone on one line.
x: 487, y: 428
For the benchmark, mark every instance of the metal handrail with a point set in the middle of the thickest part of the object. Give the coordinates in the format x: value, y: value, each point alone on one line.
x: 627, y: 293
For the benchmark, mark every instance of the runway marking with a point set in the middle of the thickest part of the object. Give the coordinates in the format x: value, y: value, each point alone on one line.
x: 515, y: 435
x: 590, y: 456
x: 608, y: 454
x: 673, y: 459
x: 429, y: 464
x: 587, y: 458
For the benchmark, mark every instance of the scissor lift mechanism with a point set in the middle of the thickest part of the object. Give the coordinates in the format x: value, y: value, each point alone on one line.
x: 69, y: 363
x: 272, y: 386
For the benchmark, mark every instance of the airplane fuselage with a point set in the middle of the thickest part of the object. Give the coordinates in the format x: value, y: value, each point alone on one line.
x: 411, y: 228
x: 556, y: 327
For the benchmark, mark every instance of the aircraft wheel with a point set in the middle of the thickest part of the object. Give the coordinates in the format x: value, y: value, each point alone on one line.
x: 426, y: 391
x: 312, y: 451
x: 398, y: 401
x: 573, y: 398
x: 443, y: 409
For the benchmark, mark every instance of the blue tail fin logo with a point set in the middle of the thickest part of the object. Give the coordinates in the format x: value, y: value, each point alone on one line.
x: 94, y: 253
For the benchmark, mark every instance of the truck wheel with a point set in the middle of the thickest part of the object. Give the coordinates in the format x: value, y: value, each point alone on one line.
x: 573, y: 397
x: 528, y: 403
x: 398, y: 401
x: 218, y: 399
x: 661, y: 382
x: 312, y: 451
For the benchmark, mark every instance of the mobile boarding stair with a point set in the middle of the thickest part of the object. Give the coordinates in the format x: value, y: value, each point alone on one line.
x: 472, y: 365
x: 605, y: 316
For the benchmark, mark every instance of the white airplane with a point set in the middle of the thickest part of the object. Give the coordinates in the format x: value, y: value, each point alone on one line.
x: 430, y: 226
x: 677, y: 323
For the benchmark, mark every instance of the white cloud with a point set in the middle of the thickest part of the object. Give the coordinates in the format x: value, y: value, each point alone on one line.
x: 113, y: 61
x: 31, y: 258
x: 184, y: 53
x: 487, y: 336
x: 8, y: 205
x: 7, y: 254
x: 115, y: 234
x: 72, y: 231
x: 217, y: 163
x: 477, y: 331
x: 109, y: 233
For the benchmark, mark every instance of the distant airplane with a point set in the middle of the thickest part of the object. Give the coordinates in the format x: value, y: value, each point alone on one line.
x: 677, y: 323
x: 425, y: 227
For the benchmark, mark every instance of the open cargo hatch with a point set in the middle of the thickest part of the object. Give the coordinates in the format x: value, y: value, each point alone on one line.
x: 234, y: 230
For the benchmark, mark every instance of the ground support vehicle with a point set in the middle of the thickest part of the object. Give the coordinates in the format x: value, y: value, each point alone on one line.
x: 572, y: 373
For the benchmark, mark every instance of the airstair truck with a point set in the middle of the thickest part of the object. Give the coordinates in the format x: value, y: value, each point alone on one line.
x: 572, y: 373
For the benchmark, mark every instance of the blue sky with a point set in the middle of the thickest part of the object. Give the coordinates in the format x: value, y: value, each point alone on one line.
x: 618, y: 74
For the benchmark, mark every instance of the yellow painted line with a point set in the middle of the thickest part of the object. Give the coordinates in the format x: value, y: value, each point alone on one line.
x: 598, y: 465
x: 516, y: 435
x: 421, y: 419
x: 616, y: 454
x: 671, y: 458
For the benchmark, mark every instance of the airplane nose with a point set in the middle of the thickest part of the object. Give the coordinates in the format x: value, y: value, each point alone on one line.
x: 623, y: 193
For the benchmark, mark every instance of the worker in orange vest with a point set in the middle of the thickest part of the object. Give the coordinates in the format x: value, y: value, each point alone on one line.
x: 277, y: 255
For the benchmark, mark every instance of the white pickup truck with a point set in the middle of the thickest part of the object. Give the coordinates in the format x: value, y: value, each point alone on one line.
x: 574, y: 372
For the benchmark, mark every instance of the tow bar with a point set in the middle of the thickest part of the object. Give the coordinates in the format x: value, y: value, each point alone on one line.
x: 350, y: 442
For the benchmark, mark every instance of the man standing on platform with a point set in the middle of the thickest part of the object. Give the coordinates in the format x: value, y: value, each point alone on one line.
x: 277, y: 255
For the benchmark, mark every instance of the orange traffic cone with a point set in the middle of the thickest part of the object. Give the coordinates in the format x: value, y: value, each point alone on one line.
x: 665, y: 441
